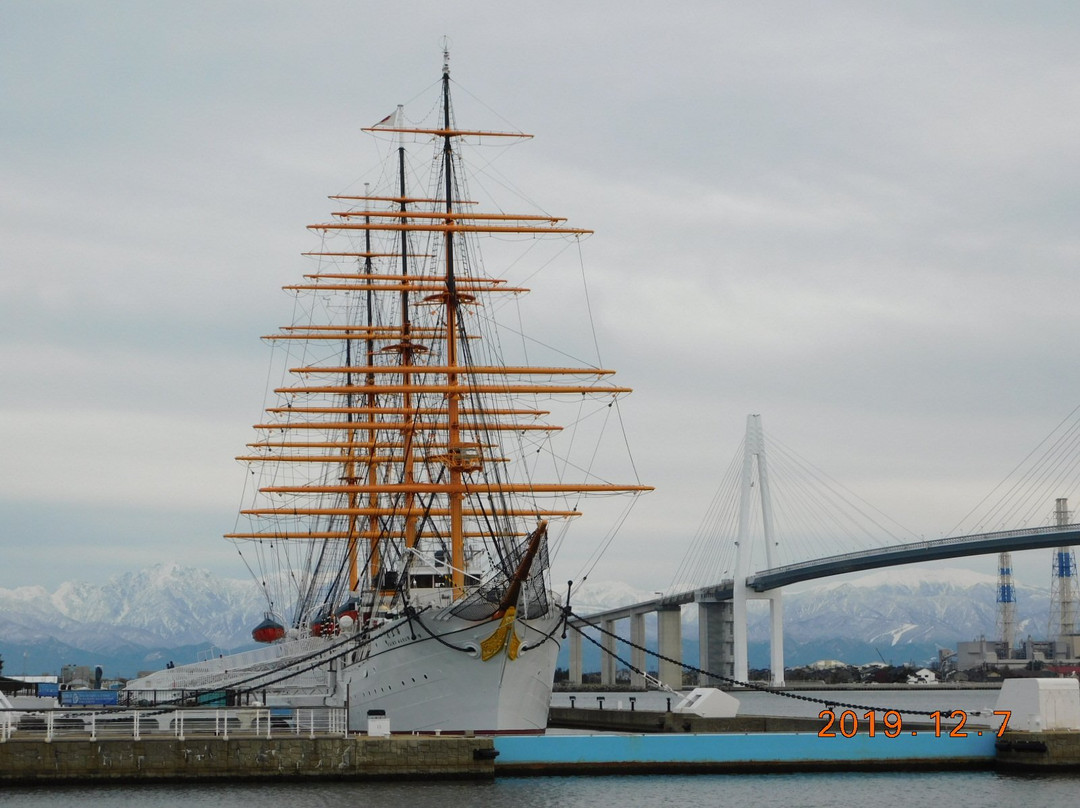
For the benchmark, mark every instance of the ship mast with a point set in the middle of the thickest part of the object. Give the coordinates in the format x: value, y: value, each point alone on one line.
x: 350, y: 474
x: 416, y: 423
x: 372, y: 401
x: 407, y: 349
x: 454, y: 453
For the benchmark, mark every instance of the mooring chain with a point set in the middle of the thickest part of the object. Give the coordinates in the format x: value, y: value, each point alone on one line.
x: 751, y: 685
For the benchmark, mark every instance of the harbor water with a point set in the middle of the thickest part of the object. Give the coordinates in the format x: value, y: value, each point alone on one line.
x: 760, y: 791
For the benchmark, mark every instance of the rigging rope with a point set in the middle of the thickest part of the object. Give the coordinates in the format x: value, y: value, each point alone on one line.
x: 738, y: 683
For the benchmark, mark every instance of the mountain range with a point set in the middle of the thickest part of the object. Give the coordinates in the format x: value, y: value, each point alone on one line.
x: 141, y: 620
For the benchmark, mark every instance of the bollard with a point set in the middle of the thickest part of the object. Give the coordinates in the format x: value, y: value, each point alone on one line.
x: 669, y: 704
x: 378, y: 724
x: 600, y: 701
x: 632, y: 700
x: 572, y: 700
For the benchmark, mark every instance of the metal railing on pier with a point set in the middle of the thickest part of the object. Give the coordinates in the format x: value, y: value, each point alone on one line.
x: 251, y: 722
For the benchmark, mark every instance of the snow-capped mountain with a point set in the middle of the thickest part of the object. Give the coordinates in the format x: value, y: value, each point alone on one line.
x: 171, y: 603
x: 597, y: 596
x: 898, y: 606
x: 142, y: 619
x: 166, y: 605
x: 886, y: 607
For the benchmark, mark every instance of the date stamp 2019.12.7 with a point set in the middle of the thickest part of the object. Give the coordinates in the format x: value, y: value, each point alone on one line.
x: 891, y: 724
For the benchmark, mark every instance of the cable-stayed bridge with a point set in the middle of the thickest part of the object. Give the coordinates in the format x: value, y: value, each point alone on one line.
x: 722, y: 605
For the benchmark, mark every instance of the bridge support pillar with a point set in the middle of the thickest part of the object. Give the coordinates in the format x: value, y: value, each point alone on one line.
x: 776, y: 638
x: 669, y: 637
x: 575, y: 656
x: 740, y: 652
x: 776, y: 633
x: 637, y: 652
x: 607, y: 658
x: 716, y: 640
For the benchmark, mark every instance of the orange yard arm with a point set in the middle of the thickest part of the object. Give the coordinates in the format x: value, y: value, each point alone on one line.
x: 344, y: 445
x: 450, y: 488
x: 398, y: 199
x: 455, y: 216
x: 475, y: 370
x: 402, y: 411
x: 444, y: 133
x: 339, y: 534
x: 375, y: 459
x: 403, y: 426
x: 391, y: 277
x: 468, y: 286
x: 420, y: 227
x: 415, y: 512
x: 457, y: 389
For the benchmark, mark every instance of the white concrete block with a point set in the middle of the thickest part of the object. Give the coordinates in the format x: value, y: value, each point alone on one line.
x: 708, y: 702
x: 1041, y: 704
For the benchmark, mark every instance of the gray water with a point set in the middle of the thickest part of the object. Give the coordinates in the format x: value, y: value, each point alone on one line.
x: 753, y: 791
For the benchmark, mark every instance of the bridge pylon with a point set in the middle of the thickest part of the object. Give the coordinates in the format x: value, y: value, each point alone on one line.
x: 755, y: 475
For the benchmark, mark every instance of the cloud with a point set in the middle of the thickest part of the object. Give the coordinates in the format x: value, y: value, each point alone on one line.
x: 857, y: 221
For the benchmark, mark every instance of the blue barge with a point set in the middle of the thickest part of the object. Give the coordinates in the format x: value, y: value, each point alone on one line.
x: 738, y: 752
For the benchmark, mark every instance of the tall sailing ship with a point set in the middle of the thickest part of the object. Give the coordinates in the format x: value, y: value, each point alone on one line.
x: 399, y: 495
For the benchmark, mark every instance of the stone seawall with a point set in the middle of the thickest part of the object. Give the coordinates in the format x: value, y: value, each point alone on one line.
x: 360, y: 757
x: 1035, y: 751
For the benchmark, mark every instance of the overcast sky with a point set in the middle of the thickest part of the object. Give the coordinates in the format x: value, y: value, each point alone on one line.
x: 858, y: 219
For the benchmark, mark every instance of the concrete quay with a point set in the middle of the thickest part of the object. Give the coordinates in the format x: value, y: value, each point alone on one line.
x: 1039, y: 751
x: 406, y: 757
x: 27, y: 761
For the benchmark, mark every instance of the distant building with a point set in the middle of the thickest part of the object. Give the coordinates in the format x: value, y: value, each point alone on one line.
x: 923, y: 676
x: 1063, y: 652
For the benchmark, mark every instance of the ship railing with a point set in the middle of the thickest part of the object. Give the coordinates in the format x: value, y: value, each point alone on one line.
x: 219, y: 694
x: 202, y: 675
x: 181, y: 723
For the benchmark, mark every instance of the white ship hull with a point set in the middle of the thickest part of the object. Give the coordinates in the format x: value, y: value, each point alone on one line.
x: 423, y: 683
x: 442, y: 683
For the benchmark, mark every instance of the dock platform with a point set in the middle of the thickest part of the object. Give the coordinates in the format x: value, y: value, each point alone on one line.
x: 357, y: 757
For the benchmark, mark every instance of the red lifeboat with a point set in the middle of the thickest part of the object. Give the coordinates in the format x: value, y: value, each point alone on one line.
x: 269, y: 630
x: 325, y: 624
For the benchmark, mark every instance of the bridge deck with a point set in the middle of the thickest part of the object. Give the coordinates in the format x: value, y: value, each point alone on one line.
x: 914, y: 552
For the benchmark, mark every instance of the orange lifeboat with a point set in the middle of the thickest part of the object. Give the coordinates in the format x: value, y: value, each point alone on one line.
x: 325, y: 624
x: 269, y: 630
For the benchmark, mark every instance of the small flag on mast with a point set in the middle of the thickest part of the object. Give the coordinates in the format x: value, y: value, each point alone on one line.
x: 390, y: 120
